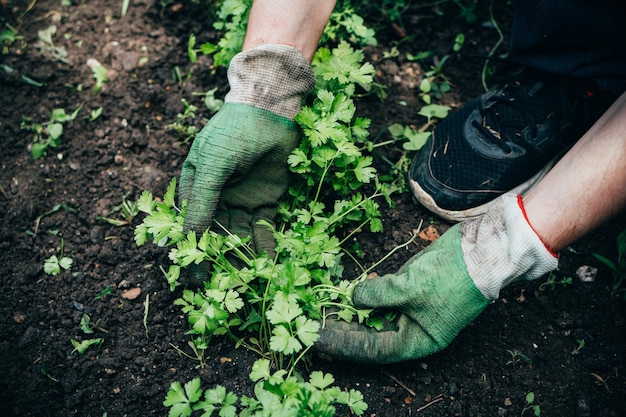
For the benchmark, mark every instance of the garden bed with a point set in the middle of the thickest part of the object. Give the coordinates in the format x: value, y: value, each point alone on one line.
x: 528, y: 341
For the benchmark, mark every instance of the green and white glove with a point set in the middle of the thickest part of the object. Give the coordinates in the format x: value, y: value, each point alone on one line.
x: 236, y: 169
x: 442, y: 289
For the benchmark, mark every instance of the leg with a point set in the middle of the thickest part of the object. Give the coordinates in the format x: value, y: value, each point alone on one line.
x: 507, y: 139
x: 586, y: 187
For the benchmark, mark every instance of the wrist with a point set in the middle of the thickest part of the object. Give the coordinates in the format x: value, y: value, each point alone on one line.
x: 273, y: 77
x: 501, y: 247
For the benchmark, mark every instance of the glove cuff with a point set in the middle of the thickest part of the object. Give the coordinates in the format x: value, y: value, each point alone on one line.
x: 273, y: 77
x: 501, y: 247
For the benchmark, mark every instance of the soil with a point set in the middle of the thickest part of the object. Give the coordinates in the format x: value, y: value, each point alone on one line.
x: 58, y: 199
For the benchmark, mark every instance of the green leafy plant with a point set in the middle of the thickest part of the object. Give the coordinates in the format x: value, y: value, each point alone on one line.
x: 517, y: 356
x: 82, y: 346
x: 85, y: 324
x: 274, y: 305
x: 183, y: 126
x: 435, y: 83
x: 106, y: 291
x: 577, y: 349
x: 275, y: 394
x: 346, y: 24
x: 231, y: 19
x: 212, y: 103
x: 128, y: 210
x: 94, y: 114
x: 618, y: 267
x: 8, y: 36
x: 552, y: 281
x: 54, y: 265
x: 47, y: 47
x: 99, y: 73
x: 125, y: 5
x: 531, y: 406
x: 48, y: 134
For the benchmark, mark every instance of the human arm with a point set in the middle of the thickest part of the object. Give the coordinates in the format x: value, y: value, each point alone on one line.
x: 236, y: 169
x: 442, y: 289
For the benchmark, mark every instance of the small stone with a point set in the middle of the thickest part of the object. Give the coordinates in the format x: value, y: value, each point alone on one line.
x: 587, y: 273
x: 18, y: 318
x: 131, y: 294
x: 508, y: 402
x: 124, y: 284
x: 583, y: 408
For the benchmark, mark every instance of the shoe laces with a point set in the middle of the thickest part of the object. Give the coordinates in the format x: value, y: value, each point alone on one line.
x: 511, y: 113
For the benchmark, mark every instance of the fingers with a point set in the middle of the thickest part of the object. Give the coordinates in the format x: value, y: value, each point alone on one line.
x: 200, y: 209
x: 358, y: 343
x: 185, y: 184
x: 389, y: 292
x: 242, y: 223
x: 263, y: 236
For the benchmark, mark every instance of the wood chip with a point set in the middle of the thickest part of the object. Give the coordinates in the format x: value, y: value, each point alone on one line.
x: 131, y: 294
x: 430, y: 234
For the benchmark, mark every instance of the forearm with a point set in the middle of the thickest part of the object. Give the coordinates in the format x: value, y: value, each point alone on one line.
x: 298, y: 23
x: 586, y: 187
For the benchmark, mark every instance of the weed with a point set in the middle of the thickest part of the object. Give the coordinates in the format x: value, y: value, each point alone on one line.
x: 146, y: 309
x: 99, y: 73
x: 47, y: 47
x: 8, y: 36
x: 94, y: 114
x: 128, y: 211
x: 517, y: 356
x: 53, y: 210
x: 81, y: 347
x: 413, y: 140
x: 599, y: 380
x: 210, y: 102
x: 85, y: 324
x: 577, y: 349
x: 346, y: 24
x: 24, y: 79
x: 44, y: 371
x: 617, y: 267
x: 183, y: 126
x: 106, y: 291
x: 531, y: 406
x: 552, y: 281
x: 48, y: 134
x: 54, y: 265
x: 125, y: 5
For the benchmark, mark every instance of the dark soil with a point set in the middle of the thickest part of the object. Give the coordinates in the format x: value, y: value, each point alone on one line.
x: 129, y: 149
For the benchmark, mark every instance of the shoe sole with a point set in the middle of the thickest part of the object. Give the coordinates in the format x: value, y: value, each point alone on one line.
x: 459, y: 215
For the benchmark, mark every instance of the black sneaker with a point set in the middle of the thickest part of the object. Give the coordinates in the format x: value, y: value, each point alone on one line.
x: 505, y: 140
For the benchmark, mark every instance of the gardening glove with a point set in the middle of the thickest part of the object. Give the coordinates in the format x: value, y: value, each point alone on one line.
x: 236, y: 169
x: 439, y: 291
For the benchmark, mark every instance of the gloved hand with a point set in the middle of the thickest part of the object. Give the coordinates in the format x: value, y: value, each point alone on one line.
x: 442, y: 289
x: 236, y: 169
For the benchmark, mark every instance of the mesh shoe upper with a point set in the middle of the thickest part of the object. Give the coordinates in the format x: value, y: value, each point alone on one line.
x: 504, y: 140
